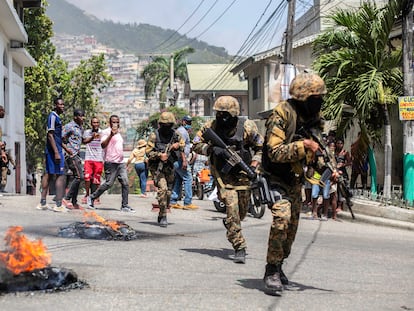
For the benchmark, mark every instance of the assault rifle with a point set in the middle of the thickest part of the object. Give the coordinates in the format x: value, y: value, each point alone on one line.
x: 267, y: 195
x: 330, y: 163
x: 230, y: 156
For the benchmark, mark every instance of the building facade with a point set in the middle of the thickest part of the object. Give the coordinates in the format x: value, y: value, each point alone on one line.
x: 14, y: 58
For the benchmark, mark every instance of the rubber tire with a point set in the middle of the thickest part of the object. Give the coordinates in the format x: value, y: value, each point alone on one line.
x: 198, y: 190
x: 220, y: 207
x: 256, y: 208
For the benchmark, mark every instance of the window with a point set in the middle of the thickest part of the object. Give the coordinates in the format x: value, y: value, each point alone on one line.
x: 256, y: 87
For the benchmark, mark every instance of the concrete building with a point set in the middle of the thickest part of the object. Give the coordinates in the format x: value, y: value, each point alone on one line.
x: 206, y: 82
x: 14, y: 58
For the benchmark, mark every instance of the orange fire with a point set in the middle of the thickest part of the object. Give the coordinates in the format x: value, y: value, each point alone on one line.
x: 22, y: 255
x: 110, y: 223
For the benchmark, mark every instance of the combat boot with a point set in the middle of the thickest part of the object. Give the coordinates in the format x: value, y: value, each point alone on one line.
x: 163, y: 222
x: 283, y: 277
x: 273, y: 284
x: 240, y: 256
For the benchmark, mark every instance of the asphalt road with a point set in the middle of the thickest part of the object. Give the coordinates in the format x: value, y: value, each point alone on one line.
x: 187, y: 266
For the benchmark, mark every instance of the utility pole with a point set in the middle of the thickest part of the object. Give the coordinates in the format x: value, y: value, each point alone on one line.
x: 408, y: 74
x: 287, y: 69
x: 287, y: 57
x: 172, y: 99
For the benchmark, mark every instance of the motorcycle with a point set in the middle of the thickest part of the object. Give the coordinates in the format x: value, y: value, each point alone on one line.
x: 203, y: 184
x: 256, y: 207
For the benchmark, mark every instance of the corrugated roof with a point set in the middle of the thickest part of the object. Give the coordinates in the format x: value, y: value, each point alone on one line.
x: 214, y: 77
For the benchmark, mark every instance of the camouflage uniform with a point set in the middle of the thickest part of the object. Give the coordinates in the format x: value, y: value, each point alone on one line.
x: 233, y: 188
x: 281, y: 127
x: 163, y: 179
x: 284, y: 157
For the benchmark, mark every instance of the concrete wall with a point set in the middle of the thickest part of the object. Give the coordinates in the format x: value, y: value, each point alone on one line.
x: 12, y: 98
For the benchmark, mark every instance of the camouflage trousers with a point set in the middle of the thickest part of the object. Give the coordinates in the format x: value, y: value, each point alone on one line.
x: 236, y: 202
x: 286, y: 213
x: 164, y: 182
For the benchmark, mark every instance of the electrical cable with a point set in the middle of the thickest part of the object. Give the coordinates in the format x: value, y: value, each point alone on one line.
x: 192, y: 28
x: 182, y: 25
x: 251, y: 42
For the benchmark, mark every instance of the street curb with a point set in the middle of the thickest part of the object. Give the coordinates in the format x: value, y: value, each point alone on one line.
x: 376, y: 213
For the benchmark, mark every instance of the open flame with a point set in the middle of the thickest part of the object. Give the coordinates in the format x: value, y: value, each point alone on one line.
x: 23, y: 255
x: 114, y: 225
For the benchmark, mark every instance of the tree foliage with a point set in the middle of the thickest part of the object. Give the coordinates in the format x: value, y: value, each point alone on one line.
x: 50, y: 78
x: 148, y: 126
x: 360, y: 66
x: 157, y: 73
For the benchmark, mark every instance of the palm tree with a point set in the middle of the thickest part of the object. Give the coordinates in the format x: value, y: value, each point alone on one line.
x: 363, y: 70
x: 157, y: 73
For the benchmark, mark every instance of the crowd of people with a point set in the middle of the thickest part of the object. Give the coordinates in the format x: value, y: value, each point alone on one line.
x: 289, y: 161
x: 104, y: 152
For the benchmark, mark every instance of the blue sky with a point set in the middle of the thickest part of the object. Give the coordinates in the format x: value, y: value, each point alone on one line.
x: 230, y: 31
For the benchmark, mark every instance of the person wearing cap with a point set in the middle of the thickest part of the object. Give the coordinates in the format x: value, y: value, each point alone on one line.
x: 72, y: 140
x: 93, y: 164
x: 233, y: 188
x: 182, y: 171
x: 165, y: 146
x: 139, y: 158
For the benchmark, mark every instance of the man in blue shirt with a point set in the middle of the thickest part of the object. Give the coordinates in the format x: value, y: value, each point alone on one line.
x: 54, y: 158
x: 182, y: 171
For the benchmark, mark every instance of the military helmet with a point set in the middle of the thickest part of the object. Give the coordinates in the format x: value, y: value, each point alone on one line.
x: 305, y: 85
x: 166, y: 117
x: 227, y: 103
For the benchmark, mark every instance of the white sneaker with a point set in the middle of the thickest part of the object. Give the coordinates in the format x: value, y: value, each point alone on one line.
x: 89, y: 203
x: 43, y: 207
x: 60, y: 209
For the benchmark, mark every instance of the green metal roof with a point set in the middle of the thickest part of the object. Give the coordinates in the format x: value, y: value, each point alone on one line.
x: 214, y: 77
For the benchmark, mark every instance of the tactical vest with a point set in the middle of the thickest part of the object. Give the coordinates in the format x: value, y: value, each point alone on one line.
x: 282, y: 171
x: 236, y: 142
x: 161, y: 143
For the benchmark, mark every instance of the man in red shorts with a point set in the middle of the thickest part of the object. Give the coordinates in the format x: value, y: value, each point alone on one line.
x: 93, y: 165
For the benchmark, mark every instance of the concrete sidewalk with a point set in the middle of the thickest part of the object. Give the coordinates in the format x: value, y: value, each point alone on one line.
x: 365, y: 211
x: 379, y: 214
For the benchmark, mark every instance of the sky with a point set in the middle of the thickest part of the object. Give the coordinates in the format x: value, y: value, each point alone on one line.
x: 223, y: 23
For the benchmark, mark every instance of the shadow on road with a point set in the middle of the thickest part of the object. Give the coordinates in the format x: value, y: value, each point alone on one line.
x: 220, y: 253
x: 293, y: 286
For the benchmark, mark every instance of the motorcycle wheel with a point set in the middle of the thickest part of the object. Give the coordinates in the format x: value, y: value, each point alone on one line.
x: 256, y: 208
x: 199, y: 192
x: 220, y: 206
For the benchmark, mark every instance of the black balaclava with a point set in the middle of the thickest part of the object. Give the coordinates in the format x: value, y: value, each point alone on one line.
x: 310, y: 108
x: 225, y: 120
x: 165, y: 128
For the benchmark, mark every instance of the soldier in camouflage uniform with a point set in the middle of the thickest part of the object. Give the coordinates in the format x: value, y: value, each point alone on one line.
x: 234, y: 187
x: 284, y: 156
x: 165, y: 146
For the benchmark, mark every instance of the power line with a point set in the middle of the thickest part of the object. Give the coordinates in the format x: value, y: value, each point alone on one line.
x: 192, y: 28
x: 182, y: 25
x: 251, y: 42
